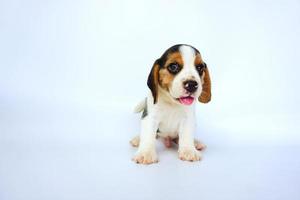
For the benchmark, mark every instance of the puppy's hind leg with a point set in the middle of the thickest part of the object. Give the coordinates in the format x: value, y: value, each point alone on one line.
x: 199, y: 145
x: 135, y: 142
x: 168, y: 142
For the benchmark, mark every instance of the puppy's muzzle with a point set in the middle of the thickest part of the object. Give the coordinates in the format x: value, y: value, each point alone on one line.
x: 190, y: 86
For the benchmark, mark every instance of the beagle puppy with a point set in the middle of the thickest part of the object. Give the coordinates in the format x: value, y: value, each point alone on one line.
x: 177, y: 79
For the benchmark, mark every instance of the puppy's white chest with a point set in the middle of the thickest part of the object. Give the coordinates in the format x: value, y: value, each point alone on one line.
x: 170, y: 123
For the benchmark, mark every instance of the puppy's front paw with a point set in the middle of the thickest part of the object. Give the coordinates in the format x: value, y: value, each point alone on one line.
x: 189, y: 154
x: 145, y: 157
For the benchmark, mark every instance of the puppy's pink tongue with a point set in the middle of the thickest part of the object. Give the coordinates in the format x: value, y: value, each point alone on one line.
x: 186, y: 100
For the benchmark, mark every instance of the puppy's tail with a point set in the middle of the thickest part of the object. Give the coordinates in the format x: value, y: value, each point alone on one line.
x: 140, y: 106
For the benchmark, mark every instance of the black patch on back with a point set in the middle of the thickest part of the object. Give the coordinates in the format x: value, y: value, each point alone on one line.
x: 145, y: 111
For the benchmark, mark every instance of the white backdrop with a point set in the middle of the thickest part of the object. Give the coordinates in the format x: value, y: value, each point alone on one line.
x: 72, y: 71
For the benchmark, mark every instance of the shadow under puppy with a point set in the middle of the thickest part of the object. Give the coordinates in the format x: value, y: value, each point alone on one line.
x: 176, y: 80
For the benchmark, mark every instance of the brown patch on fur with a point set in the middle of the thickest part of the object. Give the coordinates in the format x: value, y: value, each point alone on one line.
x: 165, y: 77
x: 198, y: 60
x: 174, y: 57
x: 205, y: 95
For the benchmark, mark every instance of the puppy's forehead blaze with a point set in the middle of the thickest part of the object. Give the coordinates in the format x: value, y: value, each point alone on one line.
x: 177, y: 57
x: 174, y: 57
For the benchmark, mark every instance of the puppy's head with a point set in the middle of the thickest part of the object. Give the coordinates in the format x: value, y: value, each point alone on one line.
x: 180, y: 73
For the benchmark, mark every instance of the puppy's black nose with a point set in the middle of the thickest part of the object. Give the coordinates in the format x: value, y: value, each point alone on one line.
x: 190, y: 86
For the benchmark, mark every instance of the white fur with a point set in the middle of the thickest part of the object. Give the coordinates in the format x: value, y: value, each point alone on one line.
x: 171, y: 118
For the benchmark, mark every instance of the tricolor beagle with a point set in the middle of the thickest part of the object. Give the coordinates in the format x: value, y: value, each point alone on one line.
x: 176, y: 80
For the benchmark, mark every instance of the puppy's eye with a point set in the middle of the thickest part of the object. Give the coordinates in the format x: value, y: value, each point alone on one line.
x: 200, y: 68
x: 174, y: 68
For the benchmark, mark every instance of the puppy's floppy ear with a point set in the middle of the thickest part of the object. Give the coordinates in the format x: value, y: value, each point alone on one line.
x: 205, y: 95
x: 153, y: 80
